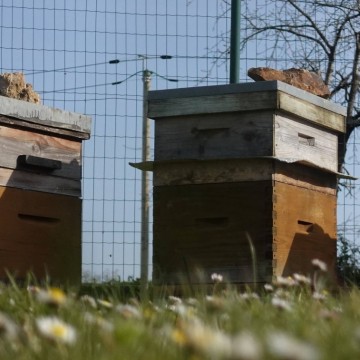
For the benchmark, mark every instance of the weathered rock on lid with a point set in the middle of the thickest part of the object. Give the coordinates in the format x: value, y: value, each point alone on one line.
x: 13, y: 85
x: 300, y: 78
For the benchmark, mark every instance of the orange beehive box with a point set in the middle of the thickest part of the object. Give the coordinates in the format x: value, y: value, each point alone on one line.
x: 40, y: 190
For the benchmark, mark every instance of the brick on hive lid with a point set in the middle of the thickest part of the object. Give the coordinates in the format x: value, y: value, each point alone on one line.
x: 300, y: 78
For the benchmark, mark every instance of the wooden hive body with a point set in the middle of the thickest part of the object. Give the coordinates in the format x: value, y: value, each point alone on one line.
x: 244, y: 175
x: 40, y: 190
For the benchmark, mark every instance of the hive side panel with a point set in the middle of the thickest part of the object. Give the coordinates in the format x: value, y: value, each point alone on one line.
x: 304, y: 229
x: 211, y: 228
x: 41, y: 233
x: 324, y: 116
x: 297, y: 140
x: 224, y: 135
x: 15, y: 142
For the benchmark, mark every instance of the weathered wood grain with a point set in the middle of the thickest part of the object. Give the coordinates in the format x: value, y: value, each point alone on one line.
x: 298, y: 140
x: 46, y: 116
x: 239, y: 170
x: 22, y: 124
x: 15, y: 142
x: 212, y: 171
x: 226, y: 135
x: 249, y: 87
x: 211, y: 104
x: 39, y: 182
x: 312, y: 113
x: 322, y: 114
x: 303, y: 231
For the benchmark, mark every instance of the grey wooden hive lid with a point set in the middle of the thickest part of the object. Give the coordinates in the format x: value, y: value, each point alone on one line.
x: 252, y: 96
x: 45, y: 116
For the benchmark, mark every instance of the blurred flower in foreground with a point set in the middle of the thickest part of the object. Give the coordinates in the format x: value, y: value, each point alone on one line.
x: 56, y: 330
x: 51, y: 296
x: 216, y: 278
x: 174, y: 300
x: 319, y: 265
x: 105, y: 304
x: 319, y: 296
x: 268, y: 288
x: 102, y: 323
x: 281, y: 304
x: 284, y: 346
x: 89, y: 300
x: 8, y: 328
x: 281, y: 281
x: 202, y: 339
x: 246, y: 346
x: 128, y: 311
x: 302, y: 279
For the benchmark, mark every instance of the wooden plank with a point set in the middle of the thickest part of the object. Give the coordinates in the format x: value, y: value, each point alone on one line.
x: 40, y: 233
x: 250, y: 87
x: 212, y: 104
x: 22, y: 124
x: 226, y: 135
x: 46, y: 116
x: 39, y: 182
x: 306, y: 110
x: 305, y: 177
x: 239, y: 170
x: 15, y: 142
x: 305, y: 230
x: 213, y: 171
x: 298, y: 140
x: 247, y: 97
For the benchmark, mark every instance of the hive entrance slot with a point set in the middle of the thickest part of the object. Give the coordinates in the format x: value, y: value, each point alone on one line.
x: 306, y: 139
x: 305, y: 226
x: 38, y: 219
x: 209, y: 131
x: 212, y: 221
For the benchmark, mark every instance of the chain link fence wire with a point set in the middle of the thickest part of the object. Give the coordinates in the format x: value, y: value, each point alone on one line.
x: 88, y: 56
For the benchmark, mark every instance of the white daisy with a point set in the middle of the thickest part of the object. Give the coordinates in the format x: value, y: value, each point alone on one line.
x: 216, y: 278
x: 319, y: 265
x: 284, y: 346
x: 281, y: 303
x: 55, y: 329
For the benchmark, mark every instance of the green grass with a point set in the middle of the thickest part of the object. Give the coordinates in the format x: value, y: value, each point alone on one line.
x: 292, y: 321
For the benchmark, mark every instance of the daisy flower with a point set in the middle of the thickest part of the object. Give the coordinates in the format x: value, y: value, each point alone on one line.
x: 216, y: 278
x: 284, y: 346
x: 105, y: 304
x: 51, y: 296
x: 56, y: 330
x: 319, y: 265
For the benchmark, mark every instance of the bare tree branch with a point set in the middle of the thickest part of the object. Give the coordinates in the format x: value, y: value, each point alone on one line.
x: 312, y: 23
x: 354, y: 83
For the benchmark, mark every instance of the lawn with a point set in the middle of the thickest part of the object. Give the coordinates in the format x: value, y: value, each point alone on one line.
x: 293, y: 318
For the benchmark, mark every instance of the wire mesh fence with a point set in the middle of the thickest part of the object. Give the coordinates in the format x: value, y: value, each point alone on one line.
x: 88, y: 56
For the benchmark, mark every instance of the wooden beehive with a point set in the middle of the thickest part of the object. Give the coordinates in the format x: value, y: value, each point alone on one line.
x: 244, y: 175
x: 40, y: 190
